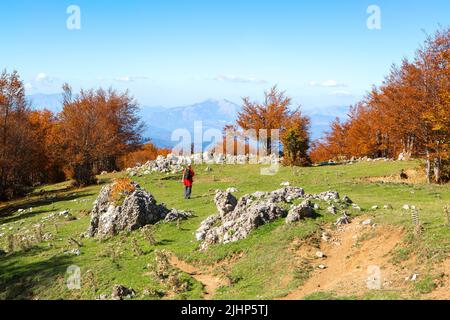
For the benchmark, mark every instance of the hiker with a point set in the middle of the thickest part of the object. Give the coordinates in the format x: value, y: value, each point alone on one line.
x: 188, y: 180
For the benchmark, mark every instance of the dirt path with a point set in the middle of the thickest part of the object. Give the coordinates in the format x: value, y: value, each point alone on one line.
x: 209, y: 281
x: 352, y: 253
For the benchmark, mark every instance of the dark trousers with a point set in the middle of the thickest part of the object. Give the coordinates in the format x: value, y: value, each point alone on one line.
x: 187, y: 192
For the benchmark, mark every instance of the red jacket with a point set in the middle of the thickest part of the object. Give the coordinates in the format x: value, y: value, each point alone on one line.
x: 189, y: 182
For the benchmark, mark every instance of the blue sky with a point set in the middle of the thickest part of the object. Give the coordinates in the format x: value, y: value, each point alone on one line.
x: 179, y: 52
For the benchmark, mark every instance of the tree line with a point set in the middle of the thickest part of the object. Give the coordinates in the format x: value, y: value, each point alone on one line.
x: 407, y: 115
x: 97, y: 130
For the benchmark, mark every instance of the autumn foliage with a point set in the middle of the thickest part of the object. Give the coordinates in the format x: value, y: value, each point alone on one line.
x: 275, y: 113
x: 143, y: 154
x: 93, y: 133
x: 409, y: 114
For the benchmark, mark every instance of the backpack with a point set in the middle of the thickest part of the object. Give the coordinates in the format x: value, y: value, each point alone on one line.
x: 187, y: 174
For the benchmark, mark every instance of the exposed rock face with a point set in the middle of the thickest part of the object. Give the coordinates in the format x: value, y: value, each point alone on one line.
x: 300, y: 212
x: 237, y: 218
x: 235, y: 221
x: 225, y: 202
x: 137, y: 210
x: 120, y: 292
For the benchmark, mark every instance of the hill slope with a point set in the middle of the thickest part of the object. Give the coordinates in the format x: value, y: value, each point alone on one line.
x: 275, y: 261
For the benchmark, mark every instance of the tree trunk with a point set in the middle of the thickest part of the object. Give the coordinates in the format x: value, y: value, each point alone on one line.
x: 83, y: 174
x: 428, y: 167
x: 437, y: 164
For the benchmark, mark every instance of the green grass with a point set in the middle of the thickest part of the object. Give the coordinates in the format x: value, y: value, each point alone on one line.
x: 263, y: 266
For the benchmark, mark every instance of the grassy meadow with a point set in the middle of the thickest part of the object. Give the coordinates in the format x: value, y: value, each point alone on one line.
x: 259, y: 267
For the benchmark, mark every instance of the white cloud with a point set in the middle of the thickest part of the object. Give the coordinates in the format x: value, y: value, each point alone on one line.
x: 130, y: 78
x: 28, y: 86
x: 328, y: 84
x: 236, y: 79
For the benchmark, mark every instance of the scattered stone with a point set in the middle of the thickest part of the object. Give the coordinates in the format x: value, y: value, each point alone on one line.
x: 316, y: 206
x: 120, y: 292
x: 73, y: 252
x: 320, y: 254
x: 285, y: 184
x: 232, y: 190
x: 175, y: 215
x: 208, y: 169
x: 406, y: 207
x: 388, y: 207
x: 414, y: 277
x: 332, y: 209
x: 347, y: 200
x: 329, y: 196
x: 375, y: 208
x: 367, y: 222
x: 21, y: 211
x: 103, y: 297
x: 326, y: 236
x: 321, y: 266
x: 356, y: 207
x: 343, y: 220
x: 64, y: 213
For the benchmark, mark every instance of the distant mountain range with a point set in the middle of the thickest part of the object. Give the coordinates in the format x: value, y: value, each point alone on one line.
x: 161, y: 122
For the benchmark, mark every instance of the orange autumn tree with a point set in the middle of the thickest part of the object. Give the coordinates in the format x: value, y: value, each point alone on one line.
x: 16, y: 144
x: 408, y: 114
x: 97, y: 128
x: 275, y: 113
x: 271, y: 114
x: 48, y: 163
x: 143, y: 154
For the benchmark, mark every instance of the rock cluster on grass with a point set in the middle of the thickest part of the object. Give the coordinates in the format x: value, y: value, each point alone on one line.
x: 174, y: 164
x: 139, y: 208
x: 120, y: 292
x: 237, y: 218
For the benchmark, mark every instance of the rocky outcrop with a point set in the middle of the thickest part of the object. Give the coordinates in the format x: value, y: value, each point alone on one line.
x: 174, y: 164
x: 236, y: 219
x: 139, y: 208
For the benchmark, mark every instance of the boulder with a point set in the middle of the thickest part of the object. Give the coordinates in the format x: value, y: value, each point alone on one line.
x: 225, y: 202
x: 120, y: 292
x: 175, y: 215
x: 300, y: 212
x: 139, y: 208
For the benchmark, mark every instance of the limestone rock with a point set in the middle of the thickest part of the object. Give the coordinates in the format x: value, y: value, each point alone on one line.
x: 300, y: 212
x: 120, y: 292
